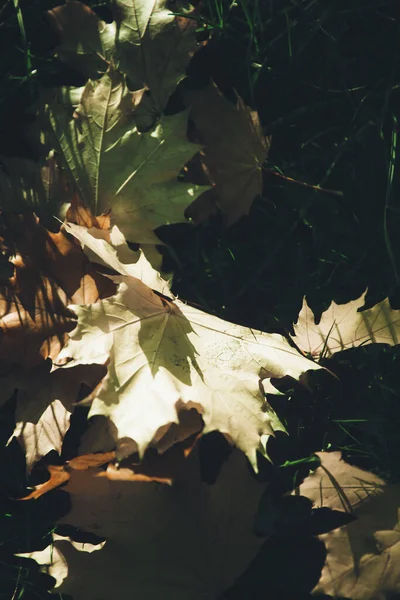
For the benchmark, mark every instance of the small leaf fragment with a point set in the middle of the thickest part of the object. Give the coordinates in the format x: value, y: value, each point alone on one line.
x: 58, y: 476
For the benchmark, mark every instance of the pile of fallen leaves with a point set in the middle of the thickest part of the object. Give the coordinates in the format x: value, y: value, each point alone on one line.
x: 88, y: 319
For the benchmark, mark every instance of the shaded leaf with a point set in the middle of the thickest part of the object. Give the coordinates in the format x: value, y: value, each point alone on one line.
x: 29, y: 185
x: 87, y: 461
x: 199, y: 536
x: 45, y: 402
x: 363, y: 557
x: 234, y: 151
x: 151, y: 45
x: 49, y: 272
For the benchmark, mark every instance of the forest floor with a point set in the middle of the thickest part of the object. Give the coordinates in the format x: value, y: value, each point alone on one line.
x: 325, y: 80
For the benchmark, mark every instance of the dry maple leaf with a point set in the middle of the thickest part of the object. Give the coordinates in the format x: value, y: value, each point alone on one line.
x: 83, y: 37
x: 50, y: 272
x: 51, y: 558
x: 343, y: 326
x: 363, y: 557
x: 45, y: 402
x: 234, y: 150
x: 58, y: 476
x: 198, y: 536
x: 110, y: 249
x: 154, y: 45
x: 78, y: 214
x: 162, y: 353
x: 33, y: 317
x: 150, y: 44
x: 115, y: 166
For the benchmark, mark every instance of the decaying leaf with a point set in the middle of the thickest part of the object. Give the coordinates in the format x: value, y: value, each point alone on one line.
x: 343, y: 326
x: 115, y: 166
x: 198, y: 536
x: 163, y: 354
x: 362, y: 557
x: 234, y: 151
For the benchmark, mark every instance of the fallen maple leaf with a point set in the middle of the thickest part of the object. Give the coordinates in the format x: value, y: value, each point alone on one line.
x: 37, y: 439
x: 198, y: 536
x: 50, y: 272
x: 162, y: 354
x: 52, y: 559
x: 155, y: 46
x: 234, y: 151
x: 363, y: 556
x: 110, y: 249
x: 115, y: 166
x: 45, y: 402
x: 162, y: 468
x: 88, y: 461
x: 33, y: 317
x: 79, y: 32
x: 344, y: 326
x: 79, y: 214
x: 336, y: 484
x: 58, y: 476
x: 150, y: 43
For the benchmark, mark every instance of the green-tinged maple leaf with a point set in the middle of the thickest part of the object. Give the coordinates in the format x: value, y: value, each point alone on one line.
x: 344, y: 326
x: 163, y: 354
x: 150, y: 44
x: 362, y: 557
x: 234, y: 151
x: 115, y: 166
x: 154, y: 46
x: 199, y: 536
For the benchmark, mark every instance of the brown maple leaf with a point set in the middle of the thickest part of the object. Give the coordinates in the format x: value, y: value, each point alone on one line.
x: 50, y: 272
x: 234, y: 151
